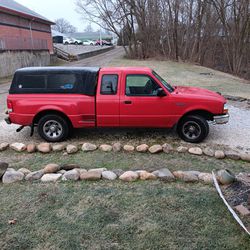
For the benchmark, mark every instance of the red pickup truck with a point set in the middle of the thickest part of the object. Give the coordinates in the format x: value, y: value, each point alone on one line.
x: 58, y: 99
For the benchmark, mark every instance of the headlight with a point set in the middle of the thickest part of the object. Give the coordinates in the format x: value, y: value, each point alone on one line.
x: 225, y: 109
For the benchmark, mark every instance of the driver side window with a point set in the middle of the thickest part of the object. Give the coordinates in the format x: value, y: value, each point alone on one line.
x: 141, y: 85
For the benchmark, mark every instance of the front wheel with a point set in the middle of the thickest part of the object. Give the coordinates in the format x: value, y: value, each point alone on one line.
x: 53, y: 128
x: 193, y: 128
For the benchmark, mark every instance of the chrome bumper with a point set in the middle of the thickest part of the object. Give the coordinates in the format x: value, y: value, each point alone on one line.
x: 221, y: 119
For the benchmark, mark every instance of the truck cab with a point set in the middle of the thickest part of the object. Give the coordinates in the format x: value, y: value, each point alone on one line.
x: 58, y: 99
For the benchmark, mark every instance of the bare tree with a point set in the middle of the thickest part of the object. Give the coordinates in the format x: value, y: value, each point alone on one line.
x: 63, y: 26
x: 214, y: 33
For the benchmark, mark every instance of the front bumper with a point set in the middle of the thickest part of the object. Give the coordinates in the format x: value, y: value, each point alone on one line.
x: 221, y: 119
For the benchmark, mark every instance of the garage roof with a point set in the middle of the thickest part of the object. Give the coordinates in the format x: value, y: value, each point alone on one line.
x: 18, y: 9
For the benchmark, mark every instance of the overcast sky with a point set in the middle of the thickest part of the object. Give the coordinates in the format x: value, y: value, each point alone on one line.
x: 54, y: 9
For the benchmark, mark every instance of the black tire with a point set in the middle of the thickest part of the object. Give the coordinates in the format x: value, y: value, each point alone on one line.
x: 60, y: 125
x: 193, y: 128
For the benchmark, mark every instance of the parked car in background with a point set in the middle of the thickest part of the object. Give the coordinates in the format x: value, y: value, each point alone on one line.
x: 71, y: 40
x: 58, y: 99
x: 88, y: 42
x: 103, y: 42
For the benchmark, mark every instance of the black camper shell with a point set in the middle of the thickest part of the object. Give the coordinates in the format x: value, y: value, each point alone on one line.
x: 73, y: 80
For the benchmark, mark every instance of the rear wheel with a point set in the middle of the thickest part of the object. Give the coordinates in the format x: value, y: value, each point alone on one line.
x: 193, y: 128
x: 53, y: 128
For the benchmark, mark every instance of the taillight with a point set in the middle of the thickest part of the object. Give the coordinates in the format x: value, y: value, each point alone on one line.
x: 9, y: 106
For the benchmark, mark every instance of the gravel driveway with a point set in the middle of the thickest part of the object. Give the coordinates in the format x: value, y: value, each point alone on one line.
x: 235, y: 134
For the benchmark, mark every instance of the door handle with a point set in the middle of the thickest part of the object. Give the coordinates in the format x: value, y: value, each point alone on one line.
x: 128, y: 102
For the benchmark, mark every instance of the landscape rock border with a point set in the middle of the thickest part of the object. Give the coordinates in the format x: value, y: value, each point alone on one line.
x: 53, y: 173
x: 166, y: 148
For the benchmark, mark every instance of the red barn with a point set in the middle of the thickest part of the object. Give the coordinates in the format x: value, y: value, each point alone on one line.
x: 23, y: 29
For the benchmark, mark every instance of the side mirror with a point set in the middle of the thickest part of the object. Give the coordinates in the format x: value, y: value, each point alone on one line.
x: 161, y: 92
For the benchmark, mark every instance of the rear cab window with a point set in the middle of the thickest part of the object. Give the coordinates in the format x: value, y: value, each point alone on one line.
x: 109, y: 84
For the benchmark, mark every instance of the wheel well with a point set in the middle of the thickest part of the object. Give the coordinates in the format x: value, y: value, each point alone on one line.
x: 50, y: 112
x: 205, y: 114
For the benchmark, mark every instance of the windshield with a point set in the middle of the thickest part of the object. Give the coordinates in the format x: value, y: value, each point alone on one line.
x: 166, y: 85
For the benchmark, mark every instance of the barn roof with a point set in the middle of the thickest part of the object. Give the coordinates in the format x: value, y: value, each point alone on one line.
x: 20, y: 10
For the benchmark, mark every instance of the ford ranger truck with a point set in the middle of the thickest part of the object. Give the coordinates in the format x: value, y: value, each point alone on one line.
x: 59, y: 99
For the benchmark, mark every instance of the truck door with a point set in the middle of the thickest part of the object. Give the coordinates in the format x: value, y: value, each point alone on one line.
x: 140, y: 106
x: 108, y: 99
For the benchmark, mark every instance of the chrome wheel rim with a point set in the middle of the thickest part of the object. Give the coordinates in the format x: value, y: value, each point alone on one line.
x: 191, y: 130
x: 52, y: 129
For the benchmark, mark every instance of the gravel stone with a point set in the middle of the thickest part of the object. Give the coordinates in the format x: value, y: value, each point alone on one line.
x: 17, y: 146
x: 117, y: 147
x: 12, y: 176
x: 167, y: 148
x: 3, y: 146
x: 129, y: 176
x: 51, y: 177
x: 86, y: 147
x: 51, y: 168
x: 44, y: 147
x: 109, y: 175
x: 155, y: 149
x: 34, y: 175
x: 219, y: 154
x: 164, y: 174
x: 106, y: 148
x: 195, y: 151
x: 71, y: 149
x: 208, y: 152
x: 142, y: 148
x: 129, y: 148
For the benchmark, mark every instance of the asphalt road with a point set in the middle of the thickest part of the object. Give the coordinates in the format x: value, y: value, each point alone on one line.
x: 235, y: 134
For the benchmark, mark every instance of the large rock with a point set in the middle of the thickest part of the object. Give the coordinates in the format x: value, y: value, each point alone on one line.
x: 186, y: 176
x: 91, y: 176
x: 19, y: 147
x: 195, y: 151
x: 142, y: 148
x: 225, y: 177
x: 167, y: 148
x: 144, y: 175
x: 71, y: 149
x: 34, y: 175
x: 51, y: 168
x: 58, y: 147
x: 109, y: 175
x: 25, y: 171
x: 182, y: 149
x: 245, y: 157
x: 4, y: 146
x: 233, y: 155
x: 129, y: 176
x: 31, y: 148
x: 244, y: 211
x: 69, y: 166
x: 12, y: 176
x: 219, y: 154
x: 3, y: 167
x: 86, y: 147
x: 44, y: 147
x: 208, y: 151
x: 106, y: 148
x: 155, y: 149
x: 117, y: 147
x: 51, y: 177
x: 164, y: 174
x: 207, y: 178
x: 129, y: 148
x: 73, y: 175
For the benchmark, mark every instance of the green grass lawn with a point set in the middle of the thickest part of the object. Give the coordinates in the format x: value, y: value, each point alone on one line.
x: 187, y: 74
x: 118, y: 215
